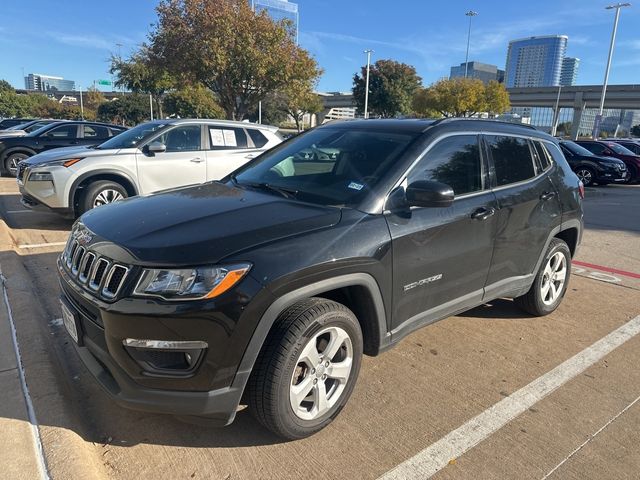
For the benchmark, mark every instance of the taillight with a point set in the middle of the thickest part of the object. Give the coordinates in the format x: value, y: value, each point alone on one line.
x: 581, y: 189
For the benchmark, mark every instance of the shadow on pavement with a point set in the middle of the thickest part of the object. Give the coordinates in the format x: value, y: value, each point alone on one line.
x: 499, y: 308
x: 23, y: 218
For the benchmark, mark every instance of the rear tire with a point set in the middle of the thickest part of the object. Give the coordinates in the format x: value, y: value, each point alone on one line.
x: 551, y: 281
x: 101, y: 193
x: 633, y: 175
x: 307, y: 368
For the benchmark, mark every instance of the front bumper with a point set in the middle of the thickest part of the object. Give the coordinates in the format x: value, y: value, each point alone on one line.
x: 45, y: 195
x: 213, y: 390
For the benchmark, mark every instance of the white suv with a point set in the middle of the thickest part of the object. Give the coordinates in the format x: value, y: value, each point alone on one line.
x: 150, y: 157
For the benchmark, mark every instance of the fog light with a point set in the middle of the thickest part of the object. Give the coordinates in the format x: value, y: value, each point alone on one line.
x: 166, y: 357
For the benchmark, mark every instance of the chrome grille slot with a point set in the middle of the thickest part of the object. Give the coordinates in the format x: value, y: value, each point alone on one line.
x: 72, y: 250
x: 77, y: 259
x: 85, y: 266
x: 115, y: 279
x: 98, y: 273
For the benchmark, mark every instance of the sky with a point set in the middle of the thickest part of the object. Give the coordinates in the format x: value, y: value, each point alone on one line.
x: 75, y: 38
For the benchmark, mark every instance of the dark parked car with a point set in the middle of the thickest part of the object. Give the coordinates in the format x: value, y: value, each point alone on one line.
x: 12, y: 122
x: 605, y: 148
x: 337, y: 243
x: 55, y: 135
x: 633, y: 145
x: 25, y: 128
x: 591, y: 168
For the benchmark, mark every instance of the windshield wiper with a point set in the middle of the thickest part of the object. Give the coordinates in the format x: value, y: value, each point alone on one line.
x: 285, y: 192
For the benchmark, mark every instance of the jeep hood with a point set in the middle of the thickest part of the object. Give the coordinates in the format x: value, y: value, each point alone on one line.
x: 198, y: 225
x: 57, y: 154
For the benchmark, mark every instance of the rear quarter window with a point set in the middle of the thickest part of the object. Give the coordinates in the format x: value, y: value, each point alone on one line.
x: 257, y: 137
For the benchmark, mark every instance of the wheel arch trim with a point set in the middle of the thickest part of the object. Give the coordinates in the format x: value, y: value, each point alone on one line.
x: 96, y: 173
x: 281, y: 303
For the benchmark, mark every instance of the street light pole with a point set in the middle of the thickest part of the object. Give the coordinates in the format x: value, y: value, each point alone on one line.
x: 469, y: 14
x: 366, y: 90
x: 617, y: 7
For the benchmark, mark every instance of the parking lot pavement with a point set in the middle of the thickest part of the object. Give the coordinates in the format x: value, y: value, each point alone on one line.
x: 435, y: 381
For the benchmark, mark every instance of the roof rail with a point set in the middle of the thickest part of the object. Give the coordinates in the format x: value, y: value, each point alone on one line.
x: 473, y: 119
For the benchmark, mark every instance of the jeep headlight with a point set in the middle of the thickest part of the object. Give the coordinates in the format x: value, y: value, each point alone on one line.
x: 190, y: 283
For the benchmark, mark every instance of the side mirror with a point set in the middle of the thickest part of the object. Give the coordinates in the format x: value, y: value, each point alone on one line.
x: 156, y: 147
x: 427, y: 193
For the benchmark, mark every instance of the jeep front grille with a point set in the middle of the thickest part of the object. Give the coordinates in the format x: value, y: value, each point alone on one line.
x: 97, y: 273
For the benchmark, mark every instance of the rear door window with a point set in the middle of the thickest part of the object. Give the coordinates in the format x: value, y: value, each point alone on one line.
x: 512, y: 159
x: 95, y: 131
x: 227, y: 138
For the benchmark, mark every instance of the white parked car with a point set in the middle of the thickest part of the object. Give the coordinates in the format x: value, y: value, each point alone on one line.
x: 150, y: 157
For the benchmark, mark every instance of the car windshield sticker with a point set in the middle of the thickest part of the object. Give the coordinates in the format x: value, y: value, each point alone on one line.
x: 217, y: 138
x: 356, y: 186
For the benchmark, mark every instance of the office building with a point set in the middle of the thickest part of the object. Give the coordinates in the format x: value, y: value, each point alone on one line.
x: 569, y: 72
x: 279, y: 10
x: 482, y: 71
x: 45, y: 83
x: 535, y: 61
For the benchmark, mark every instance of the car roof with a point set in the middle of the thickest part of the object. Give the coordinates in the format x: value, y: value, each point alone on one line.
x: 419, y: 125
x: 211, y: 121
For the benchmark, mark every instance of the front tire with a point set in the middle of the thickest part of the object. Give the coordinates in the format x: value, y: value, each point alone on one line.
x: 551, y: 281
x: 307, y: 368
x: 101, y: 193
x: 11, y: 163
x: 586, y: 175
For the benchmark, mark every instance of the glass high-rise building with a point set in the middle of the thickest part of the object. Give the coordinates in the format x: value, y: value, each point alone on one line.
x: 482, y: 71
x: 45, y: 83
x: 535, y: 61
x: 279, y: 10
x: 569, y: 72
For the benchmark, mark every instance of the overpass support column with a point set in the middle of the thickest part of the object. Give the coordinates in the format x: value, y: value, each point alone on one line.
x: 578, y: 109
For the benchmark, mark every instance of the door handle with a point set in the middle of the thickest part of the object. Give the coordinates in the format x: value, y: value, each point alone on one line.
x: 251, y: 156
x: 547, y: 196
x: 483, y: 213
x: 197, y: 160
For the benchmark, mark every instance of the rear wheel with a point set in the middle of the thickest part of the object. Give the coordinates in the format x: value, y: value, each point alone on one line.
x: 586, y: 176
x: 101, y: 193
x: 307, y: 368
x: 11, y: 163
x: 551, y: 281
x: 633, y: 175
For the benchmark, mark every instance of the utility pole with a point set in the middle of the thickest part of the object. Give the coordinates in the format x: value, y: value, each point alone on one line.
x: 151, y: 106
x: 81, y: 105
x: 366, y: 91
x: 598, y: 121
x: 119, y: 45
x: 469, y: 14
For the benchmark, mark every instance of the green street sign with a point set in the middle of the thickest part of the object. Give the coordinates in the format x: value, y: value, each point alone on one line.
x: 104, y: 82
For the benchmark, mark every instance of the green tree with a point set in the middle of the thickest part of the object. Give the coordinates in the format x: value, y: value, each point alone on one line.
x: 564, y: 127
x: 142, y: 73
x: 240, y: 55
x: 92, y: 99
x: 421, y: 106
x: 635, y: 130
x: 273, y: 110
x: 392, y: 86
x: 14, y: 105
x: 456, y: 97
x: 496, y: 98
x: 192, y: 102
x: 127, y: 109
x: 6, y: 87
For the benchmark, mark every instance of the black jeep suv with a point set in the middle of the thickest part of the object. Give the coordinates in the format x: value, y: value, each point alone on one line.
x: 274, y: 282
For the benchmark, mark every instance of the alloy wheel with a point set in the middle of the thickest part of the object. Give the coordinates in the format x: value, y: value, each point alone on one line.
x: 12, y: 164
x: 321, y: 373
x: 107, y: 196
x: 585, y: 176
x: 553, y: 278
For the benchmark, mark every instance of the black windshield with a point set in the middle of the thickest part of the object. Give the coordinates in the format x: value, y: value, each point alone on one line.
x: 576, y: 149
x: 328, y: 166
